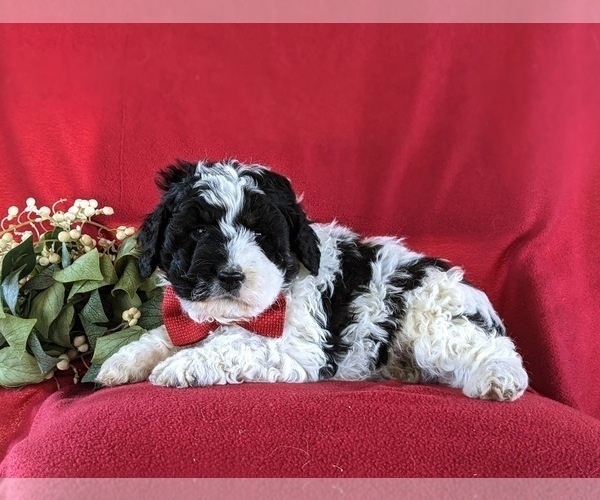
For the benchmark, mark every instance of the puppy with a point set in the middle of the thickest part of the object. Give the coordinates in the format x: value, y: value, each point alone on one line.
x: 232, y: 242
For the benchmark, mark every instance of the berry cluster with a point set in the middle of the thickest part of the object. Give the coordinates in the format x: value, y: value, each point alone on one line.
x: 54, y: 227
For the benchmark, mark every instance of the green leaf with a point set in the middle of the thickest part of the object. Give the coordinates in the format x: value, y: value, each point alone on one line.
x: 122, y: 302
x: 10, y: 289
x: 127, y: 247
x: 46, y: 306
x: 86, y: 267
x: 127, y: 252
x: 65, y: 257
x: 91, y: 374
x: 80, y: 287
x: 42, y: 280
x: 18, y: 368
x: 93, y: 312
x: 16, y: 331
x: 61, y: 327
x: 2, y: 315
x: 44, y: 361
x: 151, y: 313
x: 108, y: 270
x: 93, y: 333
x: 109, y: 278
x: 90, y: 316
x: 22, y: 255
x: 150, y: 284
x: 49, y: 235
x: 130, y: 279
x: 43, y: 240
x: 109, y: 344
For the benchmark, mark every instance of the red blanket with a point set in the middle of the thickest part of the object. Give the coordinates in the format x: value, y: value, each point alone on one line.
x: 477, y: 143
x: 327, y: 429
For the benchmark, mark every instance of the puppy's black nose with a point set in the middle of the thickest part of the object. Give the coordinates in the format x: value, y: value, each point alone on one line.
x: 231, y: 279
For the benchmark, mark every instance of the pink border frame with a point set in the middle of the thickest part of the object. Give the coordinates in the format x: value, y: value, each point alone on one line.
x: 300, y: 11
x: 297, y: 489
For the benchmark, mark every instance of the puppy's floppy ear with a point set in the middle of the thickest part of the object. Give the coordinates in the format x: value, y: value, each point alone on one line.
x: 176, y: 174
x: 306, y: 245
x: 303, y: 240
x: 150, y: 238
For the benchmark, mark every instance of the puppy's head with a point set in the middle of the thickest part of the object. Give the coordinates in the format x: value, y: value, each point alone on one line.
x: 228, y: 238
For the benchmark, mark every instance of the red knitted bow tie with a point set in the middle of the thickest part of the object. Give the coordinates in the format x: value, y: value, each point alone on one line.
x: 184, y: 331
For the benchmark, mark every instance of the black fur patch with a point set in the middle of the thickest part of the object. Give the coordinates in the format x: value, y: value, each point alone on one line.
x: 194, y: 248
x: 271, y: 232
x: 407, y: 278
x: 302, y: 238
x: 493, y: 327
x: 355, y: 274
x: 404, y: 280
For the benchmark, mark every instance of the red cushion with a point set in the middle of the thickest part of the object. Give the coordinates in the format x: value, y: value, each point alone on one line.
x: 327, y: 429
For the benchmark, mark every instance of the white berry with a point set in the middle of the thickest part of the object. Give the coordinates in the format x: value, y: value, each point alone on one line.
x: 79, y: 340
x: 86, y: 239
x: 63, y: 364
x: 64, y: 236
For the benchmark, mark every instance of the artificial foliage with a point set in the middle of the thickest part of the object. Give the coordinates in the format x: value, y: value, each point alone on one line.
x: 70, y: 290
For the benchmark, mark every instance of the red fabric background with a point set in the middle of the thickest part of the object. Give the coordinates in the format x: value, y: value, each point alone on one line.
x: 477, y: 143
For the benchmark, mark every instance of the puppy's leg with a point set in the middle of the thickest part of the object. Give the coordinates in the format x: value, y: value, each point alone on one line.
x: 135, y: 361
x: 457, y: 339
x: 234, y: 356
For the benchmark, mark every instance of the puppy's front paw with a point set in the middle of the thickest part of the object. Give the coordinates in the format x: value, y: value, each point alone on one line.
x: 135, y: 361
x: 192, y: 367
x: 177, y: 371
x: 498, y: 381
x: 121, y: 369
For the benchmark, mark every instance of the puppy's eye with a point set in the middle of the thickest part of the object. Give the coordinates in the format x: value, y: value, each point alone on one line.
x: 198, y: 233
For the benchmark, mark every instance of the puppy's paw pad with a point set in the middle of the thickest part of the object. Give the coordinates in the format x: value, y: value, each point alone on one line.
x: 500, y: 391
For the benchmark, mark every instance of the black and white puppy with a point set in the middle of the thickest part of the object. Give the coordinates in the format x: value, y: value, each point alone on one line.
x: 357, y: 308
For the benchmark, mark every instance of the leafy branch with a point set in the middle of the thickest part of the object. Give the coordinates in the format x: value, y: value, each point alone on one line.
x: 70, y: 290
